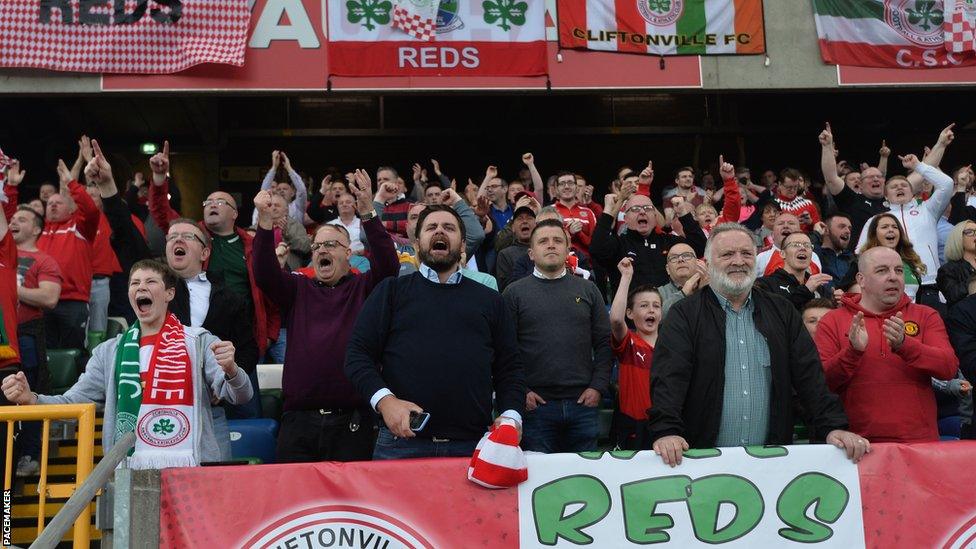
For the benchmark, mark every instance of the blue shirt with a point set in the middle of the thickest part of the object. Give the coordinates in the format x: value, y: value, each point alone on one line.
x: 500, y: 218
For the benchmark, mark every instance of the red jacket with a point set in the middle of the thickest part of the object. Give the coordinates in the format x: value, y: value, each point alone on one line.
x: 104, y: 262
x: 69, y: 242
x: 267, y: 319
x: 887, y: 393
x: 586, y: 217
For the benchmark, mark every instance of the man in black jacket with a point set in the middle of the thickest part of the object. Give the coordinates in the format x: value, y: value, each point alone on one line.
x: 793, y: 281
x: 728, y: 360
x: 642, y: 241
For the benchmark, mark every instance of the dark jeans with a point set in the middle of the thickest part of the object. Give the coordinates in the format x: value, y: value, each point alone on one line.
x: 310, y: 435
x: 393, y: 447
x: 29, y: 439
x: 250, y: 409
x: 560, y: 426
x: 65, y: 325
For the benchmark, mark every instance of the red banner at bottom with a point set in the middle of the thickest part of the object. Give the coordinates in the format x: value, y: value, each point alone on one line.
x: 911, y: 496
x: 437, y: 58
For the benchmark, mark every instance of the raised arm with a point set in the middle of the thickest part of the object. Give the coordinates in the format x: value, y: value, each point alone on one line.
x: 9, y: 195
x: 837, y: 353
x: 828, y: 162
x: 537, y: 184
x: 883, y: 154
x: 127, y: 241
x: 733, y: 197
x: 474, y: 233
x: 279, y: 286
x: 301, y: 191
x: 383, y: 261
x: 159, y: 208
x: 618, y: 309
x: 933, y: 157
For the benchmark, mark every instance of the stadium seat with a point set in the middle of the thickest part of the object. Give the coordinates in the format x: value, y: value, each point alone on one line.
x: 94, y: 339
x: 949, y: 427
x: 116, y: 325
x: 253, y: 438
x: 271, y: 403
x: 61, y: 364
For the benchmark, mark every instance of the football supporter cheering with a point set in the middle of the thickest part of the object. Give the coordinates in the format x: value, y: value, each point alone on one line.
x: 391, y: 192
x: 793, y: 280
x: 291, y: 187
x: 769, y: 260
x: 831, y: 243
x: 180, y: 368
x: 879, y: 348
x: 580, y: 221
x: 325, y: 418
x: 687, y: 275
x: 423, y: 372
x: 634, y: 349
x: 789, y: 197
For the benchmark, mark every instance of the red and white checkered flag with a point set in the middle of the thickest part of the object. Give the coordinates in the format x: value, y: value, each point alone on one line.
x: 95, y: 37
x: 960, y: 25
x: 418, y: 18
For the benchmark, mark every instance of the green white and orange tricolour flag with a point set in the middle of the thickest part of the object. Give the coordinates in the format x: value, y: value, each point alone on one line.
x: 663, y: 27
x: 886, y: 33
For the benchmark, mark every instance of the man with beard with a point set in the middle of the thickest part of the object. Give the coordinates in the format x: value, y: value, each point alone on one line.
x: 729, y: 359
x: 452, y: 376
x: 566, y: 381
x: 768, y: 261
x: 324, y: 418
x: 832, y: 246
x: 880, y: 352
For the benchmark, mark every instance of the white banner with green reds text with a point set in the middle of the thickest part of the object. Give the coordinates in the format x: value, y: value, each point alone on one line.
x: 733, y: 497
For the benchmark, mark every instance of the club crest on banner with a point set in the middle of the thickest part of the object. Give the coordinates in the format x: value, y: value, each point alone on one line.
x: 661, y: 13
x: 448, y: 18
x: 338, y: 526
x: 920, y: 21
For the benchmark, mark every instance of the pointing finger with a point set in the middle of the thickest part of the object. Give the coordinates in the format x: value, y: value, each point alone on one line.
x: 96, y: 148
x: 166, y: 148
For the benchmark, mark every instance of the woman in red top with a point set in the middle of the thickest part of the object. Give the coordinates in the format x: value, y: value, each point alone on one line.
x: 634, y: 350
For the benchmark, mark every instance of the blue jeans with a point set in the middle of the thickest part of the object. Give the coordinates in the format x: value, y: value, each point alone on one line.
x: 276, y: 352
x: 98, y: 305
x: 393, y: 447
x: 560, y: 426
x: 29, y: 439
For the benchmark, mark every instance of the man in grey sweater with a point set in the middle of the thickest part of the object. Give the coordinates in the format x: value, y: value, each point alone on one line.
x: 564, y: 339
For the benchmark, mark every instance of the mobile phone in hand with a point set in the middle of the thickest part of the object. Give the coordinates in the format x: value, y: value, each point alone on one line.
x: 418, y: 420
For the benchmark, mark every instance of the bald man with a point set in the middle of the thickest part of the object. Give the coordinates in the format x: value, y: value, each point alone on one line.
x: 880, y: 352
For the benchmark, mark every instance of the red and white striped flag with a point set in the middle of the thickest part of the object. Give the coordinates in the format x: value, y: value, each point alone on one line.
x: 418, y: 18
x: 124, y: 37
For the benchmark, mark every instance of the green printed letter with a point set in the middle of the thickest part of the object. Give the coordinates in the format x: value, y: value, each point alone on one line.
x: 829, y: 498
x: 550, y: 501
x: 706, y: 499
x: 641, y: 498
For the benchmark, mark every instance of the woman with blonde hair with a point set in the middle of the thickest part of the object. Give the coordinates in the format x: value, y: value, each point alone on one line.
x: 885, y: 230
x: 960, y: 265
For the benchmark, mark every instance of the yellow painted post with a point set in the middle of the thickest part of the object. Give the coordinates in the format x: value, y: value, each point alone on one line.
x: 42, y: 485
x: 86, y: 455
x: 8, y: 467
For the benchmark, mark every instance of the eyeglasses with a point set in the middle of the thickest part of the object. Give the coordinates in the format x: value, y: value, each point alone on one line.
x: 565, y: 183
x: 218, y: 202
x: 328, y: 245
x: 680, y: 258
x: 640, y: 209
x: 969, y: 232
x: 799, y: 246
x: 186, y: 237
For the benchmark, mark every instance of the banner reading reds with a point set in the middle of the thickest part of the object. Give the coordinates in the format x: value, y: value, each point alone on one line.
x: 483, y: 38
x: 798, y: 496
x: 122, y: 36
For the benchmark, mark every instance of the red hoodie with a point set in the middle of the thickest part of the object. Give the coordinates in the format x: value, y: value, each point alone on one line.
x: 887, y: 393
x: 69, y: 242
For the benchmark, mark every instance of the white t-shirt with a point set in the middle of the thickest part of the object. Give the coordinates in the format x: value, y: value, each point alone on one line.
x: 354, y: 228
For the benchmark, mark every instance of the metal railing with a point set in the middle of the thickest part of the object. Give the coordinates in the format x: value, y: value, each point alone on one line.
x: 85, y: 415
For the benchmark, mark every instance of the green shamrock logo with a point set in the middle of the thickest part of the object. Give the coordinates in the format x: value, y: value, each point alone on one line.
x: 368, y: 12
x: 164, y: 427
x: 659, y: 6
x: 924, y: 14
x: 505, y: 13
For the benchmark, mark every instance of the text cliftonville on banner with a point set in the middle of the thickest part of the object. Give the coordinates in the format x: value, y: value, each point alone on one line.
x: 474, y: 38
x: 663, y: 27
x: 124, y: 36
x: 887, y: 33
x: 796, y: 496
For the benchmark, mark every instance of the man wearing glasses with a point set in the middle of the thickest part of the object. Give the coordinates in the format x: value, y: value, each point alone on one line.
x: 324, y: 416
x: 579, y: 220
x: 794, y: 279
x: 688, y: 274
x: 648, y: 247
x: 230, y: 256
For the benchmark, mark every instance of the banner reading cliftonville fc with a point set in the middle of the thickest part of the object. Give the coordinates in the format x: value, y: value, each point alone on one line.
x: 796, y: 496
x: 663, y: 27
x: 471, y: 38
x: 122, y: 36
x: 908, y: 34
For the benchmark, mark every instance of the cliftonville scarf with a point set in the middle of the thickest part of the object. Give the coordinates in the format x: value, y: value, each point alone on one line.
x: 161, y: 410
